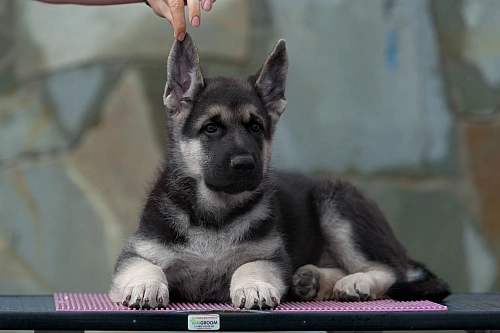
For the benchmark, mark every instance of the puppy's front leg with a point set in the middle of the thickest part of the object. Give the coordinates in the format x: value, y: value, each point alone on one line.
x: 257, y: 285
x: 138, y: 283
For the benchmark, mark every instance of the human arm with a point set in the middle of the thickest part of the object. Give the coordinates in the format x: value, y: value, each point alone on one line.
x: 90, y: 2
x: 172, y: 10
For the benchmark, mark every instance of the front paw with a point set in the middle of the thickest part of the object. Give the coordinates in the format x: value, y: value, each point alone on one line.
x: 256, y: 296
x: 145, y: 295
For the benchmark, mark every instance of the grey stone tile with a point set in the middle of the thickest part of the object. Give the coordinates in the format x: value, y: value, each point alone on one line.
x: 225, y: 31
x: 116, y: 174
x: 50, y: 224
x: 482, y: 25
x: 50, y: 113
x: 73, y: 93
x: 6, y: 28
x: 363, y: 91
x: 154, y: 77
x: 7, y: 49
x: 16, y: 277
x: 470, y: 53
x: 26, y: 124
x: 55, y: 37
x: 76, y: 94
x: 481, y: 263
x: 17, y: 218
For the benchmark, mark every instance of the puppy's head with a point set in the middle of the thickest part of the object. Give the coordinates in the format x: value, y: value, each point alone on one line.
x: 222, y: 128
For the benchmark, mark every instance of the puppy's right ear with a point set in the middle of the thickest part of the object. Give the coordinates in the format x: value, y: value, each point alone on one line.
x: 184, y: 77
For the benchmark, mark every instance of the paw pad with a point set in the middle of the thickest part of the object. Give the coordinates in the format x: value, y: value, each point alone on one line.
x: 305, y: 284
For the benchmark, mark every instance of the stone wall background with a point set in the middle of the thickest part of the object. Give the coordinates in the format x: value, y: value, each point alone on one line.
x: 399, y: 96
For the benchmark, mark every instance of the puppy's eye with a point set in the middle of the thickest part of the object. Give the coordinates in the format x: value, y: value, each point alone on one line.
x: 211, y: 128
x: 255, y: 127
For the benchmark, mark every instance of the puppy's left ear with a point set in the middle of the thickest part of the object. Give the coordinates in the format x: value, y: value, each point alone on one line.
x: 184, y: 77
x: 271, y: 80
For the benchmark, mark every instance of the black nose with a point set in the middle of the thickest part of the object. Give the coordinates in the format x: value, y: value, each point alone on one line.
x: 243, y: 164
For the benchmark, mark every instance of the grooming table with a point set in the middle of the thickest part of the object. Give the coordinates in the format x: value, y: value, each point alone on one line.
x: 79, y: 312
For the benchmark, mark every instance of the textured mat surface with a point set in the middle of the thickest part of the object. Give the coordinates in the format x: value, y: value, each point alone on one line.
x: 101, y: 302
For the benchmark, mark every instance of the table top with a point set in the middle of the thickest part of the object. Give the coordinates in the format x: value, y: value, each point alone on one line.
x: 466, y: 311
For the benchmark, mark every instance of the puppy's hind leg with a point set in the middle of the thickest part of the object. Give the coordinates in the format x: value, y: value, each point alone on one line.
x: 363, y: 286
x: 310, y: 283
x: 361, y: 240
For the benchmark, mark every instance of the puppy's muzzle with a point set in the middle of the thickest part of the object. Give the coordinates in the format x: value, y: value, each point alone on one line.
x: 243, y: 165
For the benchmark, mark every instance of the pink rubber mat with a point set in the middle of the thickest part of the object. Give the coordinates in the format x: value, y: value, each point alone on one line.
x: 101, y: 302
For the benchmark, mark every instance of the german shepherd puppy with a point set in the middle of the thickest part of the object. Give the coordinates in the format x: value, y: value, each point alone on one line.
x: 220, y: 225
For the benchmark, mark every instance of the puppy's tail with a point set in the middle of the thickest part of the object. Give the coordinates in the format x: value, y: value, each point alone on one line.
x: 421, y: 284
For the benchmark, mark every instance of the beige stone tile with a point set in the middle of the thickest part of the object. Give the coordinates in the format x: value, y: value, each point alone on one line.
x: 483, y: 145
x: 117, y: 158
x: 483, y: 158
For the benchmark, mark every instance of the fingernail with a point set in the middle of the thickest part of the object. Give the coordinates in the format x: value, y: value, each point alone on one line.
x: 181, y: 36
x: 207, y: 5
x: 195, y: 22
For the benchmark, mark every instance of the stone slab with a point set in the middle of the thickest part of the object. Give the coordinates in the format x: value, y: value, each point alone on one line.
x: 363, y: 91
x: 434, y: 225
x: 225, y: 31
x: 7, y: 54
x: 27, y: 126
x: 49, y: 223
x: 481, y: 43
x: 117, y: 158
x: 470, y: 50
x: 483, y: 152
x: 76, y: 94
x: 51, y: 37
x: 16, y: 277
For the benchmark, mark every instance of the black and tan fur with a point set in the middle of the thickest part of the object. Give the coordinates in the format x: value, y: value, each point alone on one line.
x: 221, y: 225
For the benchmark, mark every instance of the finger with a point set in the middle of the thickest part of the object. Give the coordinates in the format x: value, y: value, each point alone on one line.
x: 194, y: 12
x: 178, y: 18
x: 207, y: 5
x: 154, y: 4
x: 166, y: 13
x: 161, y: 9
x: 164, y: 10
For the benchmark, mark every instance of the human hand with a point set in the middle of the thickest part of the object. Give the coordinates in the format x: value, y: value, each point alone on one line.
x: 173, y: 11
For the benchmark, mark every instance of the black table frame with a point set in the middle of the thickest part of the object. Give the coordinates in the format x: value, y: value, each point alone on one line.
x: 466, y: 311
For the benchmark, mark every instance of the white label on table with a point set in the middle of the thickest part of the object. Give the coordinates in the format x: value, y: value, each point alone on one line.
x: 209, y: 322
